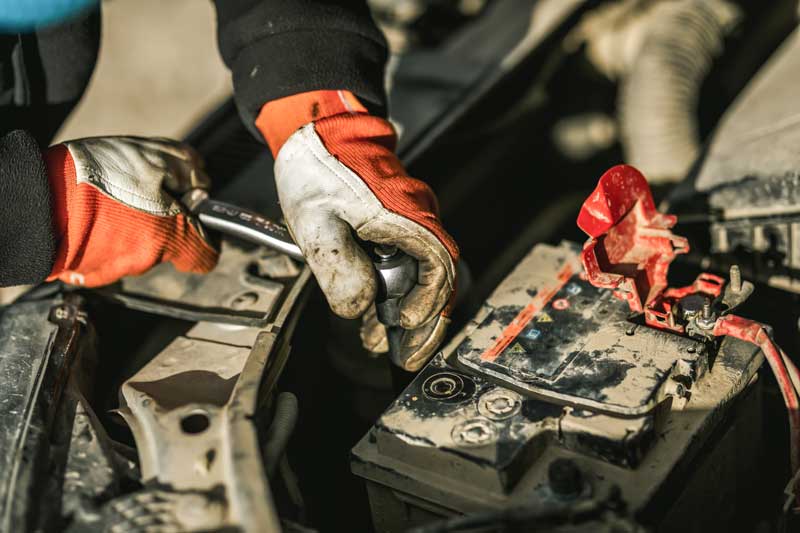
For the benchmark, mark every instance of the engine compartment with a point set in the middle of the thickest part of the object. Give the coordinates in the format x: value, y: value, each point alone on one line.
x: 236, y: 402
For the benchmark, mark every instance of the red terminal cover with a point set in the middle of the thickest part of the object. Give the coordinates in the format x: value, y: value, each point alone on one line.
x: 630, y: 245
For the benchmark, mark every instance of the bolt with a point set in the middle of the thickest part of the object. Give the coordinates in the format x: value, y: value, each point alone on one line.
x: 706, y: 320
x: 61, y: 312
x: 566, y: 479
x: 385, y: 251
x: 736, y: 278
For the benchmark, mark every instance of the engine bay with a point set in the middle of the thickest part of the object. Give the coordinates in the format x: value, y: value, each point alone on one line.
x: 578, y: 389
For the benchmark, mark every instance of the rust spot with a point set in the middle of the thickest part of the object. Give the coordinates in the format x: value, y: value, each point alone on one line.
x: 314, y: 110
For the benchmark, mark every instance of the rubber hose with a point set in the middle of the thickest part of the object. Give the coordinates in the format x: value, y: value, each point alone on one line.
x: 280, y: 431
x: 659, y: 97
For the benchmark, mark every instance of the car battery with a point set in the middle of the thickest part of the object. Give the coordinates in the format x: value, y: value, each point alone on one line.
x: 555, y: 394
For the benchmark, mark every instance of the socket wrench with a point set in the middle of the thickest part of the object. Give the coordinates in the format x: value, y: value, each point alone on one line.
x: 396, y: 271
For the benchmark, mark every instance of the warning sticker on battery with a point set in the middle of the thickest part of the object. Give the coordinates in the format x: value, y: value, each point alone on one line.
x: 538, y: 340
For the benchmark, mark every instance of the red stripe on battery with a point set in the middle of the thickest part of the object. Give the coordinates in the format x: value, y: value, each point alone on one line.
x: 524, y: 317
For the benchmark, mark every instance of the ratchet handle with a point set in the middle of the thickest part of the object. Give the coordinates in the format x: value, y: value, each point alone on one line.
x: 397, y: 271
x: 242, y: 223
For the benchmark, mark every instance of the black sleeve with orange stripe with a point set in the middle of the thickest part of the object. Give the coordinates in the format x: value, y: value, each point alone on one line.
x: 277, y: 48
x: 27, y: 241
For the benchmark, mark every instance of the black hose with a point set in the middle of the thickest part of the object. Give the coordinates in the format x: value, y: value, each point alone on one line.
x: 280, y: 431
x: 659, y: 96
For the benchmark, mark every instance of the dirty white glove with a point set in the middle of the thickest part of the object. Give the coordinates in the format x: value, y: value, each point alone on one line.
x: 337, y: 179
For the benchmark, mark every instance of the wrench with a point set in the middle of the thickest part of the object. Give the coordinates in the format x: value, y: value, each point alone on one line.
x: 396, y: 271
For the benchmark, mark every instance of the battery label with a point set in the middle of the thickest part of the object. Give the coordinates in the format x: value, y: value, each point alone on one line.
x: 539, y: 340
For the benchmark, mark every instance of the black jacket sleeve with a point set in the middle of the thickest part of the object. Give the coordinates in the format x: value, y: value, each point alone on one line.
x: 27, y: 242
x: 42, y: 76
x: 276, y: 48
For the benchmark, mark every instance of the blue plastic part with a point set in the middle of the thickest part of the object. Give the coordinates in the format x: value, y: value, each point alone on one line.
x: 18, y: 16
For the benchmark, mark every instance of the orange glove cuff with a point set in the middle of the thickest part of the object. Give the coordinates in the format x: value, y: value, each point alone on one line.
x: 100, y: 239
x: 280, y: 118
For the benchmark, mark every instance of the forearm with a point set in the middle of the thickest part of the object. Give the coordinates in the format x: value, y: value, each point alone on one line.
x: 27, y: 241
x: 279, y: 48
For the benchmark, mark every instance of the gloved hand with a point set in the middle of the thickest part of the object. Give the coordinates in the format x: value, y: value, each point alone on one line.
x: 115, y: 211
x: 338, y: 177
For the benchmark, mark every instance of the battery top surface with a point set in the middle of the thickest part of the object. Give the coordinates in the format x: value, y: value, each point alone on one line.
x: 548, y: 333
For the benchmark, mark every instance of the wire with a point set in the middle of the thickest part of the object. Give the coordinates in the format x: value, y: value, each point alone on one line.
x: 794, y: 374
x: 786, y: 374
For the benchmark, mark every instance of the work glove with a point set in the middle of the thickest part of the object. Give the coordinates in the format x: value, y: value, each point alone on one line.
x: 115, y: 208
x: 337, y: 179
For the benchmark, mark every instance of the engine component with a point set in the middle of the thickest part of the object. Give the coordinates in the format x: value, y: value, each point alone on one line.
x: 415, y: 23
x: 194, y: 409
x: 239, y: 291
x: 191, y: 410
x: 748, y: 186
x: 280, y: 430
x: 556, y: 371
x: 658, y: 98
x: 57, y: 464
x: 630, y: 248
x: 552, y: 368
